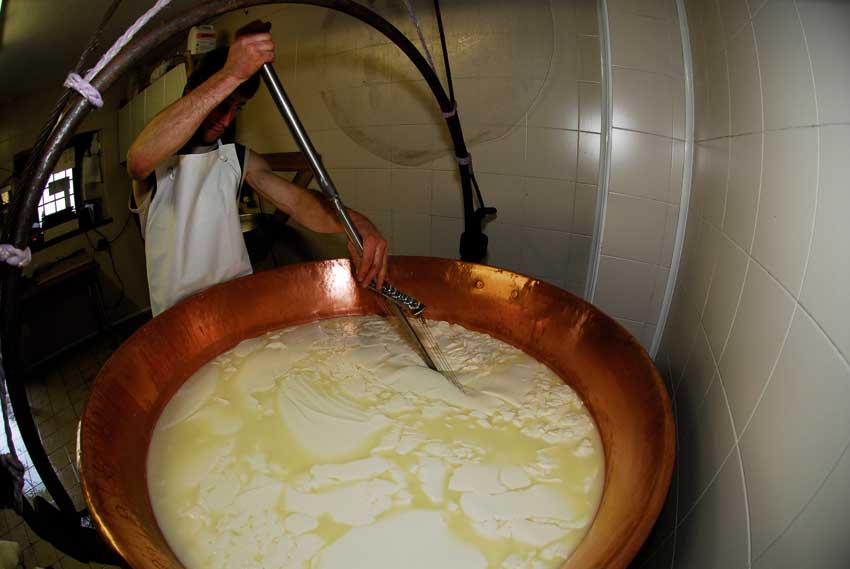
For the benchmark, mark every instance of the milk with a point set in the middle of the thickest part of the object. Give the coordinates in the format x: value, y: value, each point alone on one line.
x: 331, y: 445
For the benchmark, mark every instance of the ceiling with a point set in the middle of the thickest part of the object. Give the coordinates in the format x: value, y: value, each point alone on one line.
x: 41, y: 40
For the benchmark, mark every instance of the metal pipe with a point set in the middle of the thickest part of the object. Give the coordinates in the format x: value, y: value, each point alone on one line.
x: 302, y: 139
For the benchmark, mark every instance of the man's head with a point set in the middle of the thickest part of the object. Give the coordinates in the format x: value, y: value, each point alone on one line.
x: 212, y: 62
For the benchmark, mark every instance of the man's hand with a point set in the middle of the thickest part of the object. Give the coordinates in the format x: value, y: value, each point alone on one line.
x: 311, y: 210
x: 247, y: 54
x: 373, y: 263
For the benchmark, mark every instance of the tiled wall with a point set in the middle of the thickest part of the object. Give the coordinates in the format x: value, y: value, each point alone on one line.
x: 646, y: 160
x: 758, y: 340
x: 528, y: 86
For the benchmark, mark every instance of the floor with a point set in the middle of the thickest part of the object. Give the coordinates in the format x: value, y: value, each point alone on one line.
x: 58, y: 391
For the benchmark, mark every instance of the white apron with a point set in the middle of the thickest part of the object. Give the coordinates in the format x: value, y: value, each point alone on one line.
x: 193, y: 239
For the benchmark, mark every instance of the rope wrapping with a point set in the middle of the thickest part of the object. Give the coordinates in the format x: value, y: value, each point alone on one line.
x: 14, y: 256
x: 83, y: 84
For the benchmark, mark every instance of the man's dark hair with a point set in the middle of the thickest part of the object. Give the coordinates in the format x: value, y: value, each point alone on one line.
x: 213, y: 61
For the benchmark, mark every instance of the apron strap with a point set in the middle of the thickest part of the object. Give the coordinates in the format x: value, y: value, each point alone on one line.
x: 240, y: 155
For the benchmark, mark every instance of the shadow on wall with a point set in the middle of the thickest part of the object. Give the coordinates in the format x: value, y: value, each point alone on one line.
x: 500, y: 58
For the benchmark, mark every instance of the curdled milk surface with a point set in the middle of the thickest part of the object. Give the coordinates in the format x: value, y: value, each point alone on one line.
x: 330, y: 446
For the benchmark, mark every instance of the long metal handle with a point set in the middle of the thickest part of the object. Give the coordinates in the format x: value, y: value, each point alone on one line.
x: 300, y: 135
x: 396, y: 297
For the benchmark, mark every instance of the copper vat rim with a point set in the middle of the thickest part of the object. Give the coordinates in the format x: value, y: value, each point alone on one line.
x: 503, y: 292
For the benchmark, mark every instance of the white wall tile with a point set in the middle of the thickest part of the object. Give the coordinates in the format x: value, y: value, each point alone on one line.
x: 756, y: 6
x: 707, y: 438
x: 698, y: 374
x: 643, y: 101
x: 505, y: 155
x: 552, y: 153
x: 634, y: 228
x: 826, y: 25
x: 590, y: 107
x: 346, y: 184
x: 641, y: 166
x: 640, y: 42
x: 586, y: 19
x: 652, y: 8
x: 374, y: 189
x: 410, y: 190
x: 658, y: 291
x: 712, y: 21
x: 696, y: 31
x: 744, y: 83
x: 507, y: 194
x: 646, y: 336
x: 634, y: 328
x: 786, y: 75
x: 154, y: 99
x: 739, y: 221
x: 411, y: 234
x: 810, y: 389
x: 679, y: 334
x: 717, y: 108
x: 677, y: 64
x: 579, y: 258
x: 576, y: 288
x: 588, y: 158
x: 504, y: 247
x: 624, y: 288
x: 549, y: 203
x: 715, y: 534
x: 787, y: 203
x: 820, y: 528
x: 383, y: 220
x: 565, y: 54
x: 712, y: 167
x: 590, y: 62
x: 701, y: 107
x: 584, y: 214
x: 668, y: 241
x: 706, y: 254
x: 725, y: 291
x: 828, y: 276
x: 338, y: 150
x: 445, y: 237
x: 754, y: 343
x: 564, y: 16
x: 733, y: 14
x: 545, y: 253
x: 446, y: 196
x: 679, y: 108
x: 411, y: 145
x: 677, y: 170
x: 557, y: 105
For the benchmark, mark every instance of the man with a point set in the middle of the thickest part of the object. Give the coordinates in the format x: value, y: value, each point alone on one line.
x: 186, y: 182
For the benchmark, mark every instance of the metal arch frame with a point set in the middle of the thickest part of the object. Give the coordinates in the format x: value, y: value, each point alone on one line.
x: 43, y: 163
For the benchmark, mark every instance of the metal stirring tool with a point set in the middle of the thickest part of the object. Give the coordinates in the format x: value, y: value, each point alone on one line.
x: 398, y: 303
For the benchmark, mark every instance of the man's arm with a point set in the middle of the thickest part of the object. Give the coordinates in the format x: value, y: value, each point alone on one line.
x: 311, y: 210
x: 172, y: 127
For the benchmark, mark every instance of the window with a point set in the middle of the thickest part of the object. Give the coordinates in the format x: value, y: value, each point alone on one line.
x: 58, y: 194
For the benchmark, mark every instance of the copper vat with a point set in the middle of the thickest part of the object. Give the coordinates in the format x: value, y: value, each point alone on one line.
x: 589, y: 350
